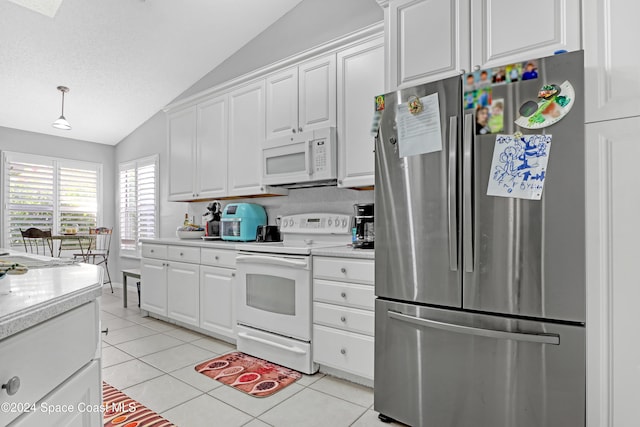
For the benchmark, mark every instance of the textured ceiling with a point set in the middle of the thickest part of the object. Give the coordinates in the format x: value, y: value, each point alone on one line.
x: 122, y: 59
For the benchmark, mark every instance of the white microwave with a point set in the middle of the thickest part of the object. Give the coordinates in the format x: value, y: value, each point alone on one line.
x: 301, y: 159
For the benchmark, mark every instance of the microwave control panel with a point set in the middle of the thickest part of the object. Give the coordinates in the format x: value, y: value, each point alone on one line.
x: 320, y: 155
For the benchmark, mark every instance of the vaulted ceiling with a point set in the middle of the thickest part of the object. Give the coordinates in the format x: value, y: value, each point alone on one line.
x: 123, y: 60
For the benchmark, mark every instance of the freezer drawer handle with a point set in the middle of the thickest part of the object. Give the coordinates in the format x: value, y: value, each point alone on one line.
x: 271, y: 343
x: 490, y: 333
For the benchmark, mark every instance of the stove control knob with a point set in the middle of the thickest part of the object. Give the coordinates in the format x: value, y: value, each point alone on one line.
x: 291, y: 222
x: 337, y: 222
x: 284, y: 224
x: 344, y: 222
x: 329, y: 222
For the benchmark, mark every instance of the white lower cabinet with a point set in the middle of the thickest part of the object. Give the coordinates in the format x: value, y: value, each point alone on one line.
x: 191, y: 285
x: 54, y: 363
x: 217, y: 301
x: 183, y: 292
x: 343, y: 314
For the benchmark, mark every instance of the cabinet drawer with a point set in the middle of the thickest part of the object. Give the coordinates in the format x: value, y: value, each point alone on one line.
x: 349, y: 319
x: 46, y: 355
x: 154, y: 251
x: 218, y: 257
x: 342, y: 350
x: 347, y: 294
x: 183, y: 254
x: 345, y: 269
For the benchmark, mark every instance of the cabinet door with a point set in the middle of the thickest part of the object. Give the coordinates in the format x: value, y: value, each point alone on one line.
x: 360, y: 79
x: 611, y: 68
x: 428, y: 40
x: 153, y: 289
x: 211, y: 149
x: 182, y: 139
x: 282, y: 103
x: 82, y: 392
x: 246, y: 136
x: 505, y: 31
x: 613, y: 350
x: 217, y: 300
x: 183, y: 291
x: 317, y: 95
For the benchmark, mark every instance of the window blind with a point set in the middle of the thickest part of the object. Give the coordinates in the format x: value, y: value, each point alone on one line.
x: 138, y: 202
x: 49, y: 194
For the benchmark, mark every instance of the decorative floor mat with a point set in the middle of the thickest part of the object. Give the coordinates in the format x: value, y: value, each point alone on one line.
x: 249, y: 374
x: 123, y: 411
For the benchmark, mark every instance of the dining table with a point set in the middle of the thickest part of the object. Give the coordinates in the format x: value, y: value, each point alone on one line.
x: 85, y: 242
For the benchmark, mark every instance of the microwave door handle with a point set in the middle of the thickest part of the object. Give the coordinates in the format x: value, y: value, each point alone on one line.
x: 309, y: 163
x: 263, y: 259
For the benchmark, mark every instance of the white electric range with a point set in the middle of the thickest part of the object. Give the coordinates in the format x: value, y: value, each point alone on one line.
x: 275, y: 289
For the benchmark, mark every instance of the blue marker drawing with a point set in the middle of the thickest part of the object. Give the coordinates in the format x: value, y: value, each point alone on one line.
x: 519, y: 166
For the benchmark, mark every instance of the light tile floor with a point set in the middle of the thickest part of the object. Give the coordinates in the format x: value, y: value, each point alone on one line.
x: 152, y: 361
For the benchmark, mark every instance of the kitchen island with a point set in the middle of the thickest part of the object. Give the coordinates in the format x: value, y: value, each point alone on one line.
x: 50, y: 343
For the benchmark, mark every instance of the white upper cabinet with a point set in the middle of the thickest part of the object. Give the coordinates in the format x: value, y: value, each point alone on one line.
x: 360, y: 79
x: 428, y: 40
x: 612, y: 65
x: 211, y: 149
x: 301, y: 98
x: 433, y: 39
x: 182, y: 141
x: 246, y: 135
x: 198, y: 151
x: 506, y: 31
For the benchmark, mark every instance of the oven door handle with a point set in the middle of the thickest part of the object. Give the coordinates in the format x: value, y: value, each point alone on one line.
x: 262, y: 259
x: 296, y: 350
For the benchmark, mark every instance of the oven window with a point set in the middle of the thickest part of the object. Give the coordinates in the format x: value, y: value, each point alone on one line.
x: 271, y: 293
x: 286, y: 163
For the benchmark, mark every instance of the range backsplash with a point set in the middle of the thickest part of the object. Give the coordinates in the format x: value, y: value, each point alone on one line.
x: 303, y: 200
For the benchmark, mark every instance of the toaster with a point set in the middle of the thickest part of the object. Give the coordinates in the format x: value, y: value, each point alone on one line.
x: 240, y: 221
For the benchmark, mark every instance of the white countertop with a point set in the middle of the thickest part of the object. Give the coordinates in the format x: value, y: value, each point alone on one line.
x: 217, y: 244
x: 42, y: 293
x: 344, y: 252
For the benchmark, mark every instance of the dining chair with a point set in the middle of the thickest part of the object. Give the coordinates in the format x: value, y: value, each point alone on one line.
x: 37, y: 241
x: 98, y: 252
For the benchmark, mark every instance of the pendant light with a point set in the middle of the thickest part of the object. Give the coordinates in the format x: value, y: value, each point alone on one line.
x: 62, y: 123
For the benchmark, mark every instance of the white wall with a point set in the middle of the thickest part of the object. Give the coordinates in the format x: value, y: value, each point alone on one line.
x: 311, y: 23
x: 47, y: 145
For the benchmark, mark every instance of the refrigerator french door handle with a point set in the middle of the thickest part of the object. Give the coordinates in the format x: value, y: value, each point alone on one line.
x: 452, y: 193
x: 552, y: 339
x: 467, y: 191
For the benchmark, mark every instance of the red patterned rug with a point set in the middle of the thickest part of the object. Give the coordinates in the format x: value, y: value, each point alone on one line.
x: 254, y: 376
x: 123, y: 411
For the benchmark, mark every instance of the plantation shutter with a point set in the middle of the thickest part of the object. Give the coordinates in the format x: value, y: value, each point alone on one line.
x: 77, y: 198
x: 29, y: 197
x: 138, y: 202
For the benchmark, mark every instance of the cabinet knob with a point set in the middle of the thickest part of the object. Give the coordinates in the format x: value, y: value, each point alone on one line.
x: 233, y: 274
x: 343, y: 319
x: 343, y: 294
x: 343, y: 270
x: 299, y: 129
x: 343, y: 351
x: 293, y: 130
x: 340, y: 181
x: 106, y: 331
x: 12, y: 386
x: 181, y: 254
x: 476, y: 68
x: 463, y: 71
x: 151, y: 251
x: 217, y: 257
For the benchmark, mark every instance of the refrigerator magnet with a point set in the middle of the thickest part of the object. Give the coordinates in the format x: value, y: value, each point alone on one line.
x: 554, y: 102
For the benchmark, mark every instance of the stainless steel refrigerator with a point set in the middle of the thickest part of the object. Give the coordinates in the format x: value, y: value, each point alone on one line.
x: 480, y: 310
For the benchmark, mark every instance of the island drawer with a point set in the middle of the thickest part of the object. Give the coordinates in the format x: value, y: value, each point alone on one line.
x: 343, y: 350
x: 184, y: 254
x: 218, y: 257
x: 347, y: 294
x: 344, y: 269
x: 154, y: 251
x: 349, y: 319
x: 44, y: 356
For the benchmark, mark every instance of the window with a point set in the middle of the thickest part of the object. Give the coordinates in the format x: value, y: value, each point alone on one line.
x: 50, y: 194
x: 138, y: 203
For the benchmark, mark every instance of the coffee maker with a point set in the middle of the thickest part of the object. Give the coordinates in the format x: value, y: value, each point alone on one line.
x: 211, y: 219
x: 363, y: 226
